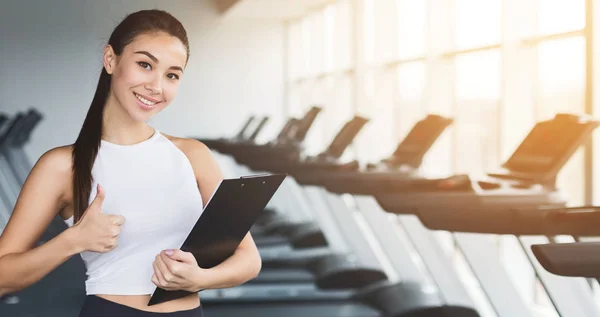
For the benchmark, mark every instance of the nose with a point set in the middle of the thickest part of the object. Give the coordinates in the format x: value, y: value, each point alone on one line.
x: 154, y: 86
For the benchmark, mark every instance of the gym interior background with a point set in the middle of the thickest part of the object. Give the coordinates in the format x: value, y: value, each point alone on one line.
x: 495, y: 66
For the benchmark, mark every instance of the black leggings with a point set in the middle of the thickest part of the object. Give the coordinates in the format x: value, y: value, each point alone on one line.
x: 95, y: 306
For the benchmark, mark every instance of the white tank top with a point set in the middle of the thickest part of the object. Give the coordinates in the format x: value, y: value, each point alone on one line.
x: 152, y: 185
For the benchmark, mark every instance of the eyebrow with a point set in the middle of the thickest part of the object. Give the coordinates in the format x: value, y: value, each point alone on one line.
x: 152, y: 57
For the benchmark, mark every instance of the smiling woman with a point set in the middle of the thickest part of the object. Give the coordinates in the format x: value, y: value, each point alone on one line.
x: 147, y: 102
x: 128, y: 193
x: 149, y: 69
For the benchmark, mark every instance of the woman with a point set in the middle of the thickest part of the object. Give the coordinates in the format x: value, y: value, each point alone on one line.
x: 129, y: 193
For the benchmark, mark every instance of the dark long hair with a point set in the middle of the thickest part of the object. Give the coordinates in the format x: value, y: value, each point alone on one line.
x: 88, y: 142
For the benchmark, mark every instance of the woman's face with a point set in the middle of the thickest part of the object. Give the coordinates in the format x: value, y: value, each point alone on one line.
x: 145, y: 78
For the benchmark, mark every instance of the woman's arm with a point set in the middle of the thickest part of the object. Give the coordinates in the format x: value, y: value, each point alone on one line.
x: 41, y: 198
x: 242, y: 266
x: 245, y: 263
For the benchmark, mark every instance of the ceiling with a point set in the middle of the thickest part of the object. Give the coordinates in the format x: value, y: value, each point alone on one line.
x: 274, y: 9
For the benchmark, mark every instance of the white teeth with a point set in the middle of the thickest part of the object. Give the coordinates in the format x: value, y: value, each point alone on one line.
x: 145, y: 101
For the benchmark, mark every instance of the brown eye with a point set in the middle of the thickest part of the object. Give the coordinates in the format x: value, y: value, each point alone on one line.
x: 145, y: 65
x: 173, y: 76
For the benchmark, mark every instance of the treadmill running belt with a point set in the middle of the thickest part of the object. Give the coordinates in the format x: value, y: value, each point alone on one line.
x: 283, y: 276
x: 335, y: 309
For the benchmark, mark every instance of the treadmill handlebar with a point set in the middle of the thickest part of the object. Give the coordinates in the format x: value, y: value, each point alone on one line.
x: 578, y: 259
x: 576, y: 221
x: 548, y: 221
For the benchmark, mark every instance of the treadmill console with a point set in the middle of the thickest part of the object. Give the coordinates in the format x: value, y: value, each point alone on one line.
x: 409, y: 154
x: 419, y: 140
x: 241, y: 135
x: 304, y: 168
x: 303, y: 126
x: 547, y: 147
x: 259, y: 128
x: 345, y: 137
x: 11, y: 128
x: 295, y: 130
x: 463, y: 182
x: 501, y: 203
x: 33, y: 118
x: 3, y: 121
x: 287, y: 132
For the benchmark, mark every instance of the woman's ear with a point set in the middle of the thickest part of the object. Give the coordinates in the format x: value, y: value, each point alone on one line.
x: 109, y: 59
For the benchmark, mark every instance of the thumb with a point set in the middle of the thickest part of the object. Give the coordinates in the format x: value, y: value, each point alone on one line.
x: 99, y: 199
x: 181, y: 256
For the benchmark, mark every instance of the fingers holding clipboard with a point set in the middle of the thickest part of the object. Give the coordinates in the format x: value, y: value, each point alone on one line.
x: 227, y: 217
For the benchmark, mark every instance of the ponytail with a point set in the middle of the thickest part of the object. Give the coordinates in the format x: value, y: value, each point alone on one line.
x: 86, y: 147
x: 88, y: 142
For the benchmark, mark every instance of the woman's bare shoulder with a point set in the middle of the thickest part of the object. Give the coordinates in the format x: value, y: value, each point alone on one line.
x: 192, y: 148
x: 57, y: 160
x: 57, y: 164
x: 45, y: 193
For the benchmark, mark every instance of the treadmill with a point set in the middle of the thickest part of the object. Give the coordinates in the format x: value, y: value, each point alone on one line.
x: 6, y: 206
x: 573, y: 259
x: 536, y: 230
x: 12, y: 181
x: 570, y: 259
x: 214, y: 144
x: 16, y: 140
x: 288, y: 142
x: 271, y: 228
x: 404, y: 163
x: 344, y: 177
x: 462, y: 203
x: 241, y: 136
x: 399, y: 249
x: 307, y: 233
x: 391, y: 298
x: 311, y: 232
x: 62, y: 292
x: 336, y: 269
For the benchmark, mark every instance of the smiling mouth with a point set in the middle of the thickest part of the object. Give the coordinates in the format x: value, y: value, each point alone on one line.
x: 145, y: 100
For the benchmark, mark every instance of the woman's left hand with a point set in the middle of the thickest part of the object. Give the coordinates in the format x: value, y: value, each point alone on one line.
x: 176, y: 271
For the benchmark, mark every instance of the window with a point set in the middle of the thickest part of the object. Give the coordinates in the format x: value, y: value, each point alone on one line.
x: 477, y: 23
x: 559, y: 16
x: 561, y: 76
x: 496, y: 67
x: 477, y: 100
x: 409, y: 100
x: 378, y: 140
x: 411, y: 22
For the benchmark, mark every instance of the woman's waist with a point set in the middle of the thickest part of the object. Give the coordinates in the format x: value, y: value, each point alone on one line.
x: 140, y: 302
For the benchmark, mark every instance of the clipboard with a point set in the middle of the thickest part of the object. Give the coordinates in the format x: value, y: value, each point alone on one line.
x: 227, y: 217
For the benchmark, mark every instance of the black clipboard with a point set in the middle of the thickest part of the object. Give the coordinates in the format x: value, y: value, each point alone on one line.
x: 227, y: 217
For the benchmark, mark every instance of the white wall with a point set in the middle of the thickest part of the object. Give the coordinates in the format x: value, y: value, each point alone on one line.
x: 50, y: 59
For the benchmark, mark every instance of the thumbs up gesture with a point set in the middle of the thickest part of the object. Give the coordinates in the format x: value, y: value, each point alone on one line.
x: 97, y: 231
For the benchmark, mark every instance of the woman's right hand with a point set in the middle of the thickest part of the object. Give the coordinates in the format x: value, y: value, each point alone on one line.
x: 97, y: 231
